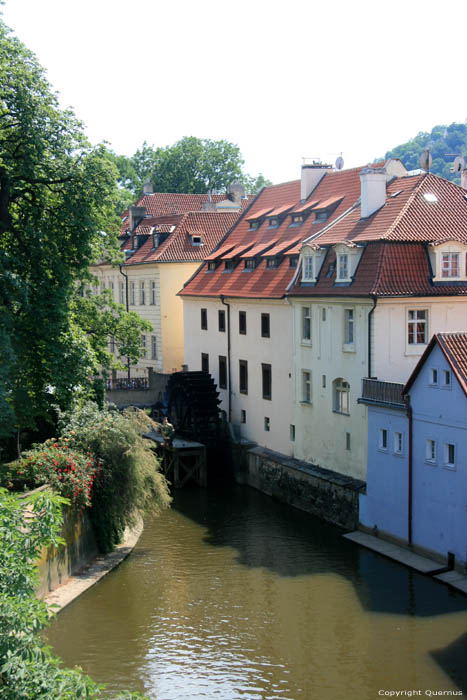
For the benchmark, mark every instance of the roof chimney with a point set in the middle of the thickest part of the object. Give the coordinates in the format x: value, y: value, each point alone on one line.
x: 464, y: 179
x: 373, y: 192
x: 311, y: 175
x: 236, y: 192
x: 136, y: 214
x: 147, y: 187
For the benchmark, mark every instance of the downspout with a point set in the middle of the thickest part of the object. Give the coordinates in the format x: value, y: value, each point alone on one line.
x: 410, y: 474
x: 127, y: 307
x: 370, y: 318
x: 228, y: 355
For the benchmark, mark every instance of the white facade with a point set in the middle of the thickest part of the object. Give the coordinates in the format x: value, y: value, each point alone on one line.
x: 266, y: 421
x: 331, y: 351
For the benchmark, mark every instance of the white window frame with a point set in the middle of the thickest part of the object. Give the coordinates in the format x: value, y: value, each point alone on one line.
x: 308, y: 268
x: 142, y: 292
x: 433, y: 376
x: 447, y: 267
x: 398, y: 443
x: 431, y: 451
x: 122, y: 293
x: 143, y: 343
x: 306, y: 322
x: 341, y: 396
x: 449, y: 463
x: 343, y: 267
x: 306, y: 389
x: 154, y: 347
x: 153, y: 293
x: 446, y: 373
x: 349, y: 330
x: 132, y: 293
x: 383, y: 439
x: 413, y: 322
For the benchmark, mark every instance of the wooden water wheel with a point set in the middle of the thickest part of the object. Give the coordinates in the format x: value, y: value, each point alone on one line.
x: 193, y: 406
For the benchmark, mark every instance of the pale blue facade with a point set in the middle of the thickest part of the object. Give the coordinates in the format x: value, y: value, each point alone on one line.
x: 439, y: 481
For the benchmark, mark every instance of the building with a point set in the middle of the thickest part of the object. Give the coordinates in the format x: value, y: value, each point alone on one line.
x: 416, y: 488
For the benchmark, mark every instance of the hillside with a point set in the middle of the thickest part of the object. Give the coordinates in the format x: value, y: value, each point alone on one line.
x: 443, y: 141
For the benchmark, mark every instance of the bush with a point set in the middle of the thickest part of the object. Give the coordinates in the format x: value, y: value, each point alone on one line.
x: 129, y: 482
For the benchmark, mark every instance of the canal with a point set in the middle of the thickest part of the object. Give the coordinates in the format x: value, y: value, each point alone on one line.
x: 231, y: 595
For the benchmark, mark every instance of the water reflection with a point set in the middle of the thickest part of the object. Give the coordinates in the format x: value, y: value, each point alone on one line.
x: 231, y: 595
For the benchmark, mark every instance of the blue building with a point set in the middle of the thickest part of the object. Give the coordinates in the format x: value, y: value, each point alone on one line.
x: 417, y: 452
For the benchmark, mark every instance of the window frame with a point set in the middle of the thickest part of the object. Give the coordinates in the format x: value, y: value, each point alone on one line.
x: 221, y: 320
x: 383, y: 434
x: 243, y: 376
x: 341, y: 389
x: 265, y: 331
x: 154, y: 347
x: 242, y: 326
x: 306, y: 319
x: 205, y: 362
x: 266, y: 381
x: 306, y: 388
x: 222, y: 361
x: 204, y: 319
x: 449, y: 463
x: 142, y: 292
x: 340, y: 277
x: 132, y: 294
x: 153, y: 295
x: 412, y: 329
x: 349, y: 329
x: 398, y: 443
x: 431, y: 451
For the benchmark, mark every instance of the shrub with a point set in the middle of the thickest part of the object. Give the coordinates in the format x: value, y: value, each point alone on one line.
x: 129, y: 482
x: 68, y: 471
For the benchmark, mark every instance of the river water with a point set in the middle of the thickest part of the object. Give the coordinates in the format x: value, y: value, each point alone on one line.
x: 231, y: 595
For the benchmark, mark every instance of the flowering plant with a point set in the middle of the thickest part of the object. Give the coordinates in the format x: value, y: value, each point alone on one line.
x: 70, y: 472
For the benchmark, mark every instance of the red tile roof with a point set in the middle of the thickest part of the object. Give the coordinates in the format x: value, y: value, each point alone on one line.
x: 454, y: 348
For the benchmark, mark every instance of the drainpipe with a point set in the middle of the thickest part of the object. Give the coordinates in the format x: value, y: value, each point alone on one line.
x: 370, y: 318
x: 127, y: 308
x: 228, y: 355
x: 410, y: 474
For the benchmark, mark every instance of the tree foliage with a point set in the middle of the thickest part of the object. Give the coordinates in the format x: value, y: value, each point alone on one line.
x: 191, y: 165
x: 28, y: 669
x: 57, y: 196
x: 443, y: 141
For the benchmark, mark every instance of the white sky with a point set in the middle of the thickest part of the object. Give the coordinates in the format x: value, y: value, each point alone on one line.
x: 282, y: 80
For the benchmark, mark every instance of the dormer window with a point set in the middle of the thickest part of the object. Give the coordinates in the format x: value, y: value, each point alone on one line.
x: 343, y: 268
x: 196, y: 240
x: 254, y: 225
x: 273, y: 222
x: 448, y: 261
x: 229, y: 265
x: 250, y: 264
x: 449, y: 265
x: 212, y: 265
x: 312, y: 262
x: 321, y: 216
x: 297, y: 219
x: 308, y: 268
x: 271, y: 263
x: 293, y: 261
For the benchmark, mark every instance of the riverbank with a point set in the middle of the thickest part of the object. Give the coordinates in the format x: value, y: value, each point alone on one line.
x: 92, y: 573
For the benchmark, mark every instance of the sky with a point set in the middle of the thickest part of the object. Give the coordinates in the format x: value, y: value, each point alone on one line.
x: 283, y: 80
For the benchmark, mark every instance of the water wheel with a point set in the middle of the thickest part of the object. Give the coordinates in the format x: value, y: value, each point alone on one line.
x: 193, y: 406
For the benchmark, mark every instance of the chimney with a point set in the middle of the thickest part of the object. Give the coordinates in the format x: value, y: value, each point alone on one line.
x: 373, y: 190
x: 147, y: 187
x: 311, y: 175
x: 136, y: 214
x: 236, y: 192
x: 464, y: 179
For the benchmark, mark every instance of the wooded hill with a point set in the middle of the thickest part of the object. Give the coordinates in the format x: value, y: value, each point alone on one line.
x: 443, y: 141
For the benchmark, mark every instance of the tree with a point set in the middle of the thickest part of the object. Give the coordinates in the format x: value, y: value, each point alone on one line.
x: 28, y: 670
x: 191, y: 166
x: 57, y: 196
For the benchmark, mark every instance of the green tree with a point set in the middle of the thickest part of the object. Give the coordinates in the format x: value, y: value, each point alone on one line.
x: 57, y: 196
x: 28, y: 670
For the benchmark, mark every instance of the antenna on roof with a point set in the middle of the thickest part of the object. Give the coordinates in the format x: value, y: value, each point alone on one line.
x: 458, y: 165
x: 339, y: 163
x: 426, y: 160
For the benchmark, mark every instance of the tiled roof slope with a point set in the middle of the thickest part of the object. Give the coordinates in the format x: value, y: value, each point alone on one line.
x: 407, y: 215
x: 454, y: 348
x: 272, y: 282
x: 178, y: 246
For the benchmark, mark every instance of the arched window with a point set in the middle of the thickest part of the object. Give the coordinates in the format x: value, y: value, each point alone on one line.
x: 341, y: 393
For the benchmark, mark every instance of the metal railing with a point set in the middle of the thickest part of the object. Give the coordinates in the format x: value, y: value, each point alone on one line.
x: 132, y: 384
x: 377, y: 391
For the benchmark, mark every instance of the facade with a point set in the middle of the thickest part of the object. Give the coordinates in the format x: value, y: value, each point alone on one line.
x: 416, y: 492
x: 164, y: 238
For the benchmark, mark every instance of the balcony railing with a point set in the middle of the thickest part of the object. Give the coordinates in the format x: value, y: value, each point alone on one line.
x: 375, y: 391
x: 132, y: 384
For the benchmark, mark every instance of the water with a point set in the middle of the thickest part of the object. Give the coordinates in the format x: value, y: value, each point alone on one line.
x: 231, y: 595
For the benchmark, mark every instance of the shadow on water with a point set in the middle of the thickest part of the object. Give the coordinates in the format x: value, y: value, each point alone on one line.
x: 453, y: 661
x: 289, y: 542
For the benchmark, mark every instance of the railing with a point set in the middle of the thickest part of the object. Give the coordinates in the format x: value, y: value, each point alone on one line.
x: 132, y: 384
x: 375, y: 391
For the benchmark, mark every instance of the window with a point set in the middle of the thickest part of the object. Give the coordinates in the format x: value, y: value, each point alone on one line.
x: 323, y: 314
x: 306, y: 324
x: 265, y: 325
x: 266, y: 376
x: 143, y: 343
x: 348, y: 326
x: 122, y: 292
x: 271, y: 263
x: 297, y: 219
x: 242, y: 416
x: 212, y: 265
x: 398, y: 443
x: 430, y: 451
x: 204, y: 362
x: 306, y: 386
x: 153, y: 347
x: 229, y: 265
x: 250, y: 264
x: 204, y: 319
x: 142, y: 293
x: 341, y: 396
x: 433, y: 376
x: 273, y: 222
x: 449, y: 265
x: 292, y: 433
x: 267, y: 424
x: 242, y: 322
x: 347, y: 441
x: 222, y: 372
x: 446, y: 378
x: 221, y: 320
x: 112, y: 289
x: 254, y: 225
x: 343, y: 267
x: 196, y: 240
x: 132, y: 293
x: 293, y: 261
x: 383, y: 439
x: 153, y: 293
x: 323, y: 381
x: 112, y: 343
x: 449, y: 455
x: 243, y: 374
x: 308, y: 266
x: 417, y: 330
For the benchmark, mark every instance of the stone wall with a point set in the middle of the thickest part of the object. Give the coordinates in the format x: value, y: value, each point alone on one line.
x: 329, y: 495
